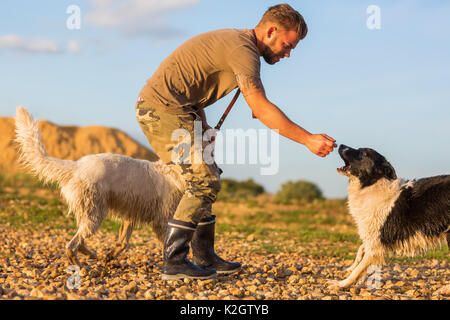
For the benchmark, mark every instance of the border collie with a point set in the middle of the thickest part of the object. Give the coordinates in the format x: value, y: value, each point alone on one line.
x: 393, y: 216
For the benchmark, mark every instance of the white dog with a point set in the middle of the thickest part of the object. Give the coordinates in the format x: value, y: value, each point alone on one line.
x: 136, y: 191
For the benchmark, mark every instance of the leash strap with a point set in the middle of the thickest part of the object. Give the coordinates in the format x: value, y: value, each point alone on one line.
x: 225, y: 114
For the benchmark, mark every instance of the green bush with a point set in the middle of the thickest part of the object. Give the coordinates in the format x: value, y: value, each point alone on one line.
x: 23, y: 180
x: 298, y: 192
x: 232, y: 189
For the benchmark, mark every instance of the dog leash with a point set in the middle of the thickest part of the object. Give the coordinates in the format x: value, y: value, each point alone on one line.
x: 225, y: 114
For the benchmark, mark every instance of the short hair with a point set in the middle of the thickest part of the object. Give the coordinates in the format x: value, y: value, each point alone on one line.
x: 287, y: 17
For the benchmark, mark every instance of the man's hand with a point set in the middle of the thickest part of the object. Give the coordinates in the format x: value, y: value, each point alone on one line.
x: 320, y: 144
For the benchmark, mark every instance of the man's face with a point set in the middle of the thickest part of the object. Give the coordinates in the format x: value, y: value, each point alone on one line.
x: 278, y: 44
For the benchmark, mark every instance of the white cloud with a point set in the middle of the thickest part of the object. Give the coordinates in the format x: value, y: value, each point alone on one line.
x: 135, y: 16
x: 73, y: 46
x: 15, y: 42
x: 38, y: 45
x: 130, y: 17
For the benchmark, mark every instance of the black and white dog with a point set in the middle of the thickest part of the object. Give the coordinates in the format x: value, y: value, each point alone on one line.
x: 392, y: 215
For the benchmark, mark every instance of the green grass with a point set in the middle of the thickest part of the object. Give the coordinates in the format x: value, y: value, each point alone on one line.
x: 309, y: 235
x: 439, y: 254
x: 259, y: 216
x: 322, y: 228
x: 36, y: 217
x: 293, y: 216
x: 23, y: 180
x: 243, y: 229
x: 270, y: 248
x: 110, y: 225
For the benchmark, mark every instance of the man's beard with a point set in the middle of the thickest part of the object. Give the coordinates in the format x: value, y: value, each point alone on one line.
x: 268, y: 55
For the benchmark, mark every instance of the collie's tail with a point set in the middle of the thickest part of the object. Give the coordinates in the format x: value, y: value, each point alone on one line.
x: 33, y: 154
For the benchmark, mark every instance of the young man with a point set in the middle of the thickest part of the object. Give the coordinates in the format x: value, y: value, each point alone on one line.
x: 197, y: 74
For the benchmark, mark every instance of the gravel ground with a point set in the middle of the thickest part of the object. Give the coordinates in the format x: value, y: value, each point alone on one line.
x: 33, y: 266
x: 287, y: 252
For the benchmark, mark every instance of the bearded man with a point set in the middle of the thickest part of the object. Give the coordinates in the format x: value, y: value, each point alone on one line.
x: 198, y: 73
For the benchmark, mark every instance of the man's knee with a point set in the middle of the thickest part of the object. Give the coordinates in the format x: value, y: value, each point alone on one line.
x: 197, y: 200
x: 216, y: 185
x: 201, y: 181
x: 207, y: 188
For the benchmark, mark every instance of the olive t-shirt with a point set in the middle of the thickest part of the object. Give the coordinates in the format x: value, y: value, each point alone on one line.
x: 204, y: 69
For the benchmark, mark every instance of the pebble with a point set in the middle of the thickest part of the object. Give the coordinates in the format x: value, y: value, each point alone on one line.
x: 36, y: 293
x: 189, y: 296
x: 94, y: 273
x: 236, y: 292
x: 251, y: 237
x: 282, y: 273
x: 131, y: 287
x: 252, y: 289
x: 39, y: 270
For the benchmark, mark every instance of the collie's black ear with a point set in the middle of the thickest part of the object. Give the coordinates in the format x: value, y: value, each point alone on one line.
x: 389, y: 171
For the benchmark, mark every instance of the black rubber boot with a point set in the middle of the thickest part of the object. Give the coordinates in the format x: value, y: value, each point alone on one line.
x: 176, y: 247
x: 203, y: 249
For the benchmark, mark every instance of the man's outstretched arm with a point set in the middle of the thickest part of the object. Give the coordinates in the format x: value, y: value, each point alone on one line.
x: 271, y: 116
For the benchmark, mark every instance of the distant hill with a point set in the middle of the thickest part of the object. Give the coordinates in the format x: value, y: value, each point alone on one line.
x: 71, y: 142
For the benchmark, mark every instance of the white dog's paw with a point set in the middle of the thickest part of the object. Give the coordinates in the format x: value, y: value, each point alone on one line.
x: 335, y: 285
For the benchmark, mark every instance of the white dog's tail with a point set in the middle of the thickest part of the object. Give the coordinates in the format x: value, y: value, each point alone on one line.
x: 33, y: 154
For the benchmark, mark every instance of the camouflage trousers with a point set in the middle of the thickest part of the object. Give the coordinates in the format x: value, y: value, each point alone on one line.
x: 202, y: 180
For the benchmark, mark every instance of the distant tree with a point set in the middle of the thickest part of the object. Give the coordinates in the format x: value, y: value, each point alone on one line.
x: 233, y: 189
x: 298, y: 191
x: 251, y: 186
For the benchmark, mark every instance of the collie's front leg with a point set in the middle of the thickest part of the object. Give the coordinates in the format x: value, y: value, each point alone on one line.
x: 359, y: 256
x: 357, y: 273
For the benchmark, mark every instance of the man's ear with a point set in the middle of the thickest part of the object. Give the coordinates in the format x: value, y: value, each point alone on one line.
x: 270, y: 31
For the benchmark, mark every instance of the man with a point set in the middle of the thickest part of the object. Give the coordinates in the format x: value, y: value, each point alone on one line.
x: 197, y: 74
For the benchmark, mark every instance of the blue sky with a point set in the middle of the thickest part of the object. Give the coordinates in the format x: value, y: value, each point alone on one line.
x: 387, y: 89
